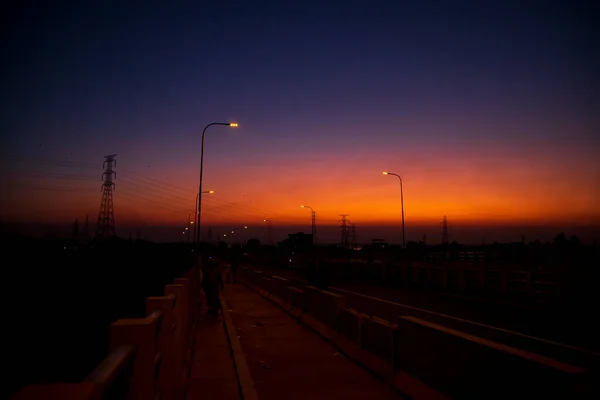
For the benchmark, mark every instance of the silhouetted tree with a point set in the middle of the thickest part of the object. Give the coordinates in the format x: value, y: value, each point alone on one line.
x: 574, y: 241
x: 252, y: 245
x: 560, y: 240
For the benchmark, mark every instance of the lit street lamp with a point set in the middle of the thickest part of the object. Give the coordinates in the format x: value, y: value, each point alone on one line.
x: 190, y: 222
x: 269, y: 230
x: 401, y: 202
x: 314, y: 223
x: 230, y: 124
x: 196, y: 206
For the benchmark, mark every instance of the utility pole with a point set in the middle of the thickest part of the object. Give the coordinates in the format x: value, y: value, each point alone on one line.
x: 344, y: 226
x: 313, y: 215
x: 314, y: 226
x: 76, y: 230
x: 269, y: 231
x: 445, y: 230
x: 86, y: 232
x: 105, y: 227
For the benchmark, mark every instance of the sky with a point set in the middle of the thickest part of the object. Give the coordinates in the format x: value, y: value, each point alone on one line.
x: 488, y: 110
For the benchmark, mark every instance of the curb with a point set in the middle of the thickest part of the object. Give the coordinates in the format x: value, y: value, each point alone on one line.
x: 245, y: 381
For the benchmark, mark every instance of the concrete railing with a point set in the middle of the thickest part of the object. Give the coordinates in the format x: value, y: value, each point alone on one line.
x: 149, y: 357
x: 420, y: 358
x: 453, y: 276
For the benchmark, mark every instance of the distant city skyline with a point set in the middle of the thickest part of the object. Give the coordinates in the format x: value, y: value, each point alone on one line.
x: 329, y: 234
x: 488, y: 112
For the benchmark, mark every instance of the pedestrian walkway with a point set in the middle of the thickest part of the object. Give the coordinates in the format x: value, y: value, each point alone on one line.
x: 213, y: 374
x: 288, y: 361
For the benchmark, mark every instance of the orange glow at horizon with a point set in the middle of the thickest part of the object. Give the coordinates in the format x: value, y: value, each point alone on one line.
x: 474, y: 189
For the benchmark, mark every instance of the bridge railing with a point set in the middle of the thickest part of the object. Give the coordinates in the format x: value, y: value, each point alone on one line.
x: 422, y: 358
x: 454, y: 276
x: 149, y: 358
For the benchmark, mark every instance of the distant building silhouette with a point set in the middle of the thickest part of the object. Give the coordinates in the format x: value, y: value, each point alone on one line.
x: 297, y: 241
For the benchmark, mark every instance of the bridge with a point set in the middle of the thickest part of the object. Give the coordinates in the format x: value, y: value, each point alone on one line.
x: 282, y: 338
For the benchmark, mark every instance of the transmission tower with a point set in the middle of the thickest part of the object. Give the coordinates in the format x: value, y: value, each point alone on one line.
x: 105, y: 227
x: 353, y: 236
x: 86, y: 232
x: 445, y: 230
x: 344, y: 226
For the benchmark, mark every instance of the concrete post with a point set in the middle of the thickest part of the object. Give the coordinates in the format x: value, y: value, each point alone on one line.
x: 179, y: 334
x: 166, y: 380
x: 141, y: 333
x: 187, y: 300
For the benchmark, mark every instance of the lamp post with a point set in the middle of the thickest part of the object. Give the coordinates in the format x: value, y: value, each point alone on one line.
x: 401, y: 202
x: 190, y: 222
x: 269, y: 230
x: 314, y: 223
x: 196, y: 206
x: 231, y: 124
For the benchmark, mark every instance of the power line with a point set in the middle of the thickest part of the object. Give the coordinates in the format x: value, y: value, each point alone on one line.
x: 48, y: 188
x: 141, y: 184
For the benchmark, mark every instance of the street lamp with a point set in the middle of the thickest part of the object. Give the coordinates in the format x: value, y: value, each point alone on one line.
x: 196, y: 206
x: 401, y: 202
x: 314, y: 223
x: 190, y: 222
x: 199, y: 202
x: 269, y: 230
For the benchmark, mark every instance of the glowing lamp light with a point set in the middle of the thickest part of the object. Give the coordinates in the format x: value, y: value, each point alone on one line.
x: 385, y: 173
x: 233, y: 124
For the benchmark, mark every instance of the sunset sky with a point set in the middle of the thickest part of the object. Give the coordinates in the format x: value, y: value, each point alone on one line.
x: 488, y: 110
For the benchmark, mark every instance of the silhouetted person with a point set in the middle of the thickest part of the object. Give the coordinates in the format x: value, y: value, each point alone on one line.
x: 235, y: 263
x: 212, y: 283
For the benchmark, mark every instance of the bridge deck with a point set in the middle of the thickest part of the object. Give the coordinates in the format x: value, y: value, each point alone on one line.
x: 288, y: 361
x: 213, y: 374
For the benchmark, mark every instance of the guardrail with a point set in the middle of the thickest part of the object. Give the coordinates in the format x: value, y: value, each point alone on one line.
x: 149, y: 357
x: 452, y: 276
x: 423, y: 359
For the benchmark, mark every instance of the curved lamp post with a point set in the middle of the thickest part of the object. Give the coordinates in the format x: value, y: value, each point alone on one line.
x: 313, y: 215
x: 401, y: 201
x: 231, y: 124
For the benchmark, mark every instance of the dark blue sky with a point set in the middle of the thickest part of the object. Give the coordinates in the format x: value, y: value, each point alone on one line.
x: 325, y: 81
